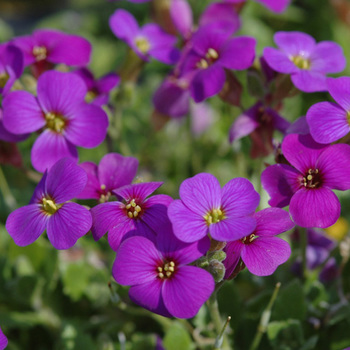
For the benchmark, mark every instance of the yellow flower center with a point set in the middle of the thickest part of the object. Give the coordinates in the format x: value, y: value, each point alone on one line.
x: 133, y: 210
x: 142, y: 44
x: 301, y: 62
x: 210, y: 57
x: 40, y: 53
x: 249, y: 239
x: 214, y: 216
x: 4, y: 77
x: 55, y: 122
x: 167, y: 270
x: 49, y: 206
x: 312, y: 179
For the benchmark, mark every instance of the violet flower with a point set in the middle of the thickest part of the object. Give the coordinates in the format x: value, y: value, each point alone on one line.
x: 148, y: 41
x: 159, y: 275
x: 307, y: 62
x: 113, y: 172
x: 3, y: 340
x: 60, y: 109
x: 98, y: 89
x: 206, y: 208
x: 259, y: 122
x: 328, y: 121
x: 7, y: 136
x: 136, y: 213
x: 65, y: 222
x: 261, y: 251
x: 306, y: 185
x: 212, y: 52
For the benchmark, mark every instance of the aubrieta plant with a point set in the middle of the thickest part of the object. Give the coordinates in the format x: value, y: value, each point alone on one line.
x: 174, y: 250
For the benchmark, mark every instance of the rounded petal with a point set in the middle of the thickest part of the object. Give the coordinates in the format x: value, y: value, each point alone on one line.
x: 207, y: 82
x: 65, y: 180
x: 328, y: 57
x: 309, y: 81
x: 3, y: 340
x: 60, y: 92
x: 339, y: 88
x: 327, y: 122
x: 272, y: 221
x: 48, y: 148
x: 181, y: 16
x: 68, y: 224
x: 187, y: 291
x: 279, y: 61
x: 295, y: 43
x: 123, y: 25
x: 124, y: 229
x: 138, y: 191
x: 264, y: 255
x: 239, y: 198
x: 301, y: 151
x: 187, y: 225
x: 26, y: 224
x: 22, y: 113
x: 107, y: 82
x: 315, y: 208
x: 233, y: 253
x: 335, y: 165
x: 280, y: 181
x: 238, y: 53
x: 93, y: 186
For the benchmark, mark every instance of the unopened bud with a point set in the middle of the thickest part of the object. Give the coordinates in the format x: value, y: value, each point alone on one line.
x: 217, y: 270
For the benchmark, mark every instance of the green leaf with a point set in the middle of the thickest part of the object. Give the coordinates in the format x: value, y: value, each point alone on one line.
x: 76, y: 280
x: 177, y: 338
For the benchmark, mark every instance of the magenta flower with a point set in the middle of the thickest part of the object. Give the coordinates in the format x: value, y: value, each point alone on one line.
x: 65, y: 222
x: 161, y: 280
x: 53, y: 46
x: 206, y: 208
x: 7, y: 136
x: 113, y: 172
x: 98, y: 89
x: 212, y: 51
x: 328, y: 121
x: 306, y: 185
x: 3, y: 340
x: 307, y: 62
x: 148, y: 41
x: 135, y: 213
x: 59, y: 109
x: 261, y: 251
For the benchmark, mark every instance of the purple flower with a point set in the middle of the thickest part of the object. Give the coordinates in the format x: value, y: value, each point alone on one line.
x: 7, y: 136
x: 182, y: 17
x: 148, y: 41
x: 3, y: 340
x: 114, y: 171
x: 306, y: 185
x: 307, y: 62
x: 259, y: 122
x: 48, y: 45
x: 206, y: 208
x: 137, y: 212
x: 261, y: 251
x: 213, y: 51
x: 328, y: 121
x: 160, y: 278
x: 98, y: 89
x: 60, y: 110
x: 65, y: 222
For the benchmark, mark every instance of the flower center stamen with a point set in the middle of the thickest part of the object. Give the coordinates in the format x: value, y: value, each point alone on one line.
x: 348, y: 117
x: 167, y: 270
x: 55, y: 122
x: 312, y: 179
x: 249, y: 239
x: 133, y: 209
x: 301, y: 62
x: 210, y: 57
x: 142, y: 44
x: 214, y: 216
x: 49, y: 206
x: 40, y: 53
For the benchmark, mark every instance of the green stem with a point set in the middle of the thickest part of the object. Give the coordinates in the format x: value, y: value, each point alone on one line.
x: 303, y: 246
x: 265, y: 318
x: 9, y: 199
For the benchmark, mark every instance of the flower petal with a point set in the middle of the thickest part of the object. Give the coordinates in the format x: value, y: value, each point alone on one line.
x: 242, y: 126
x: 339, y: 88
x: 233, y: 253
x: 309, y: 81
x: 68, y: 224
x: 295, y: 43
x: 26, y: 224
x: 279, y: 61
x: 187, y: 291
x: 92, y: 188
x: 315, y: 208
x: 123, y: 25
x: 264, y: 255
x: 138, y: 191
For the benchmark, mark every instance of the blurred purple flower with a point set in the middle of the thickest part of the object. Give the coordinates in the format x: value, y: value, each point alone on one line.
x: 65, y: 222
x: 206, y: 208
x: 329, y: 121
x: 182, y: 17
x: 306, y: 185
x: 202, y: 117
x: 137, y: 213
x: 259, y: 122
x: 3, y: 340
x: 98, y: 89
x: 261, y: 251
x: 114, y: 171
x: 148, y: 41
x: 307, y: 62
x: 300, y: 126
x: 60, y: 109
x: 159, y: 275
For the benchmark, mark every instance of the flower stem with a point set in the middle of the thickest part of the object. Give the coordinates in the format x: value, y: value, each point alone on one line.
x: 265, y: 318
x: 9, y: 199
x: 303, y: 246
